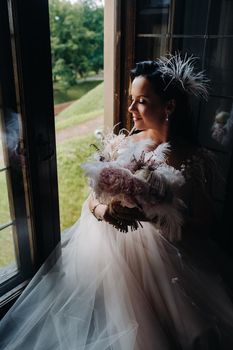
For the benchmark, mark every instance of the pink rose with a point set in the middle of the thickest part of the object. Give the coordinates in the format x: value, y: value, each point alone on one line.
x: 115, y: 181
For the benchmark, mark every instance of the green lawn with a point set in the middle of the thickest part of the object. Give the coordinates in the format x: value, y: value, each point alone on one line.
x: 6, y: 237
x: 4, y: 204
x: 90, y: 106
x: 72, y: 93
x: 73, y: 190
x: 6, y: 247
x: 70, y: 154
x: 73, y: 187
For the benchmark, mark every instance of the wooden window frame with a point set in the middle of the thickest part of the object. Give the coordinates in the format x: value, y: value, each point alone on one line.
x: 26, y: 35
x: 119, y: 41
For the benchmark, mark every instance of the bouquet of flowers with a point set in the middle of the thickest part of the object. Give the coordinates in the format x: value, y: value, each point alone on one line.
x: 122, y: 171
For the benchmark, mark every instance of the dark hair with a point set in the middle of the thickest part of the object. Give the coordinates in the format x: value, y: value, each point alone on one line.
x: 181, y: 127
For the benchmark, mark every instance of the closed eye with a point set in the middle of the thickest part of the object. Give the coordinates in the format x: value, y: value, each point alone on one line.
x: 141, y: 100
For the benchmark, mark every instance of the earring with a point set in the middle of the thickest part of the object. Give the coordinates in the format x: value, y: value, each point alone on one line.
x: 167, y: 117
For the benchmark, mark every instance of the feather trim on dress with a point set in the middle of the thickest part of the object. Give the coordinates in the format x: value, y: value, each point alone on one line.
x: 123, y: 171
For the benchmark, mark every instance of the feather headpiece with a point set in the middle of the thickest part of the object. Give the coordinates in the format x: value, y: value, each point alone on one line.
x: 182, y: 71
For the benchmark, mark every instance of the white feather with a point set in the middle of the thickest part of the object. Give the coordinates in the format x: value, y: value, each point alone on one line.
x: 169, y: 218
x: 119, y: 151
x: 173, y: 176
x: 182, y: 70
x: 133, y: 150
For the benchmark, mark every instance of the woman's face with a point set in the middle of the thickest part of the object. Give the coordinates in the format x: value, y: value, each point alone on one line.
x: 147, y: 109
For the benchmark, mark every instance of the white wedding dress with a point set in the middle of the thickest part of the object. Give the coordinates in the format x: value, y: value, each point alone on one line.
x: 106, y: 290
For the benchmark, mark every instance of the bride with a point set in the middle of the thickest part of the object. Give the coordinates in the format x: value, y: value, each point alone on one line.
x: 154, y: 287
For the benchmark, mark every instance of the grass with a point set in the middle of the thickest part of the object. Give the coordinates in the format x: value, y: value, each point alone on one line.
x: 73, y: 187
x: 6, y: 237
x: 89, y: 106
x: 7, y: 253
x: 4, y: 212
x: 74, y: 92
x: 73, y: 190
x: 75, y: 120
x: 70, y: 154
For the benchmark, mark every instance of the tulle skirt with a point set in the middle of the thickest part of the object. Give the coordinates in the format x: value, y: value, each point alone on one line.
x: 108, y: 290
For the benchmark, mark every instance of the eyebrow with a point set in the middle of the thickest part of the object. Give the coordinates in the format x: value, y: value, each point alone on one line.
x: 140, y: 96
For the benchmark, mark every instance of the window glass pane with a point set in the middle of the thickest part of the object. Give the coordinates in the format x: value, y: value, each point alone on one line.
x: 218, y: 65
x: 2, y: 164
x: 193, y: 46
x: 153, y: 16
x: 150, y: 48
x: 219, y: 185
x: 190, y: 17
x: 5, y: 216
x: 7, y: 250
x: 216, y: 133
x: 220, y: 21
x: 216, y: 125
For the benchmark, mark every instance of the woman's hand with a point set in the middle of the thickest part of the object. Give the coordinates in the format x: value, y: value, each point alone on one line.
x: 97, y: 209
x: 115, y: 214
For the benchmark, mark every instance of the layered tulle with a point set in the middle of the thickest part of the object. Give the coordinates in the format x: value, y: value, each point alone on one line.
x: 108, y: 290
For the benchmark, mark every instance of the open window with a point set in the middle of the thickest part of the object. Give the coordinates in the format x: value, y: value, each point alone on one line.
x: 134, y: 30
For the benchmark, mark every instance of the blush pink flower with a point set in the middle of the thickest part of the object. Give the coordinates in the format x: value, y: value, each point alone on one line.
x: 115, y: 181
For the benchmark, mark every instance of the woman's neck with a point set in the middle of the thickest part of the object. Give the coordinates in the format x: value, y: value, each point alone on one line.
x: 158, y: 136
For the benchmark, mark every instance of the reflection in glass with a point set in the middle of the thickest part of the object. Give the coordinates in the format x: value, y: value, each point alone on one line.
x: 150, y: 48
x: 4, y: 203
x: 2, y: 164
x: 7, y: 250
x: 207, y: 119
x: 222, y: 129
x: 153, y: 16
x: 191, y: 46
x: 215, y: 117
x: 219, y: 182
x: 218, y: 65
x: 190, y: 17
x: 220, y: 19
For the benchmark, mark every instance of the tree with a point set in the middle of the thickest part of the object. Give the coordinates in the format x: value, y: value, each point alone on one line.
x: 93, y: 20
x: 76, y: 39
